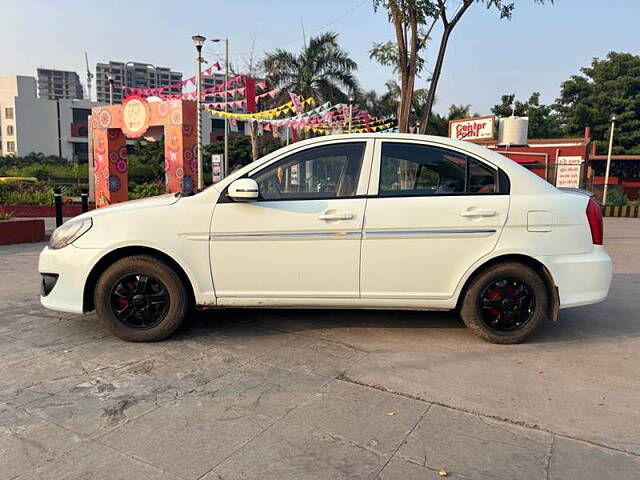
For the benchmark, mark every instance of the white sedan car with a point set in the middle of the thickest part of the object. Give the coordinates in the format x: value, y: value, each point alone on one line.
x: 377, y: 221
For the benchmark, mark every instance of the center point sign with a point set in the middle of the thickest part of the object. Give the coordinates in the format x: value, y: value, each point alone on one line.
x: 476, y: 128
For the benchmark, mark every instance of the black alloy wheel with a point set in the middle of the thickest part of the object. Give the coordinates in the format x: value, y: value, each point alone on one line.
x: 505, y: 302
x: 140, y: 301
x: 507, y: 305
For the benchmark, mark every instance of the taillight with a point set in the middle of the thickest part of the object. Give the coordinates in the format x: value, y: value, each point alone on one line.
x: 594, y: 216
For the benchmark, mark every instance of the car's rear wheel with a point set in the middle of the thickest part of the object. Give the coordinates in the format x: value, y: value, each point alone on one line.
x: 141, y: 299
x: 505, y: 303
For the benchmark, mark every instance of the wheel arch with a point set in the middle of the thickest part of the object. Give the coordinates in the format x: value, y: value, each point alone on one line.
x: 539, y: 267
x: 122, y: 252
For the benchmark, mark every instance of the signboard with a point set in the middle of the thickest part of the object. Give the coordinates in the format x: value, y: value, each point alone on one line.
x: 217, y: 167
x: 477, y: 128
x: 568, y: 172
x: 135, y: 116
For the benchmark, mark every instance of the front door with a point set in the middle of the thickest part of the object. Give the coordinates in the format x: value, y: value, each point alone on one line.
x: 432, y: 213
x: 301, y: 238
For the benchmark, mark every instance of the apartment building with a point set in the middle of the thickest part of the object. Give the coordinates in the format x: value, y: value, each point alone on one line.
x: 58, y: 84
x: 134, y: 75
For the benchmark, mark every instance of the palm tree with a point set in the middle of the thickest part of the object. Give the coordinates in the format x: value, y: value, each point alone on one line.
x: 322, y: 70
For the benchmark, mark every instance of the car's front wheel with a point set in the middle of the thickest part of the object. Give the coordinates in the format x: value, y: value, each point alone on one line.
x: 141, y: 299
x: 505, y: 303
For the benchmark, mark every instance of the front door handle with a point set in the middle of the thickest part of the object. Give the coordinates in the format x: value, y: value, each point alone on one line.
x: 478, y: 213
x: 335, y: 216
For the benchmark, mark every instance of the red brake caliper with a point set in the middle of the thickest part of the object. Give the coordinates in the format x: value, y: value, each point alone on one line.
x: 493, y: 295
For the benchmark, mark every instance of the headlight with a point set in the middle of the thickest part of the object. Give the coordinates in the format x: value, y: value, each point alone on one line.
x: 69, y: 232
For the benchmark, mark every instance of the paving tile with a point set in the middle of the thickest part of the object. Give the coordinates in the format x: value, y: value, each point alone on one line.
x: 580, y: 460
x: 27, y: 441
x: 370, y: 418
x: 289, y: 452
x: 239, y: 338
x: 106, y: 397
x: 57, y: 333
x: 105, y: 400
x: 314, y: 356
x: 40, y: 377
x: 110, y: 351
x: 264, y: 389
x: 16, y: 350
x: 477, y: 447
x: 187, y: 437
x: 91, y: 461
x: 398, y: 469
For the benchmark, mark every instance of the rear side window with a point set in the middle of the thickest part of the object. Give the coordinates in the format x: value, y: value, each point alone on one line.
x: 412, y: 169
x: 330, y: 171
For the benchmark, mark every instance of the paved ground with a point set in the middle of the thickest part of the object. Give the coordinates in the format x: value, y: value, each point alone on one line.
x: 296, y: 395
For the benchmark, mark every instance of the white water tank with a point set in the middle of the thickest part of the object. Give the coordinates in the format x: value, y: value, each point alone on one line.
x: 512, y: 131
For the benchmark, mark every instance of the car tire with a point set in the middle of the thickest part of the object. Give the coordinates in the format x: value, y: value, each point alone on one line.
x: 505, y: 303
x: 141, y: 299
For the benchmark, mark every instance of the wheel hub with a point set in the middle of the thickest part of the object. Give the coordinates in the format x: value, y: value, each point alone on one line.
x: 507, y: 304
x: 139, y: 301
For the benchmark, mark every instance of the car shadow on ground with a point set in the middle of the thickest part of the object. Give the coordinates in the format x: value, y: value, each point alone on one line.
x: 615, y: 317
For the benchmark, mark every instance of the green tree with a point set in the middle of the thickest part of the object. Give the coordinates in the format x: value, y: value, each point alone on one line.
x: 381, y: 106
x: 322, y: 70
x: 609, y: 86
x: 410, y: 19
x: 544, y: 120
x: 450, y: 16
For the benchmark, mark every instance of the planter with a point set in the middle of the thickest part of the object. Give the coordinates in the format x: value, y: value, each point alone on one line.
x: 21, y: 231
x: 22, y: 211
x: 626, y: 211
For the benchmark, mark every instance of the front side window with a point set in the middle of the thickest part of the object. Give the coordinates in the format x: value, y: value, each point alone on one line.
x: 413, y: 169
x: 11, y: 147
x: 330, y: 171
x: 8, y: 113
x: 9, y: 129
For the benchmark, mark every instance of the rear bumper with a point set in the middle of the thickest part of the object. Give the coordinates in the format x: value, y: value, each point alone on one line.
x: 581, y: 279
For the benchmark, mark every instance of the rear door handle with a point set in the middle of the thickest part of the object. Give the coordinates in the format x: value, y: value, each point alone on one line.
x: 478, y: 213
x: 336, y: 216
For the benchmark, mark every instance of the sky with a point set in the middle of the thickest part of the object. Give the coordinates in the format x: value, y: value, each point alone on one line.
x: 487, y: 57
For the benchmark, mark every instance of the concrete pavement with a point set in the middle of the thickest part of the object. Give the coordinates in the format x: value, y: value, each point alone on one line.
x: 321, y: 394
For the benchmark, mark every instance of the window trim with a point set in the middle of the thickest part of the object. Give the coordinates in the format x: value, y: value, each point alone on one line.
x: 503, y: 183
x: 363, y: 180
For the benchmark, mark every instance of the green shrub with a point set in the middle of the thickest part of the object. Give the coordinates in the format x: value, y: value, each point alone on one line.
x: 616, y: 199
x: 26, y: 198
x: 6, y: 215
x: 146, y: 190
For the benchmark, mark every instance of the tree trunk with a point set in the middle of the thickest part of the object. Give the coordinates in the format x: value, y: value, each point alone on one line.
x: 431, y: 95
x: 253, y: 134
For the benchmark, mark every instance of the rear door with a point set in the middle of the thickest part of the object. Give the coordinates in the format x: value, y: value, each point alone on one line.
x: 431, y: 213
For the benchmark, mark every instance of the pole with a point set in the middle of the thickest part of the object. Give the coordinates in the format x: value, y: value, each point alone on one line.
x: 110, y: 91
x: 199, y: 107
x: 84, y: 196
x: 57, y: 196
x: 350, y: 114
x: 226, y: 108
x: 606, y: 175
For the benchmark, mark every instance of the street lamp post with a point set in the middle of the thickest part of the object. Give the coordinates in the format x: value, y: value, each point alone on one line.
x: 606, y: 175
x: 198, y: 41
x: 226, y: 103
x: 110, y: 80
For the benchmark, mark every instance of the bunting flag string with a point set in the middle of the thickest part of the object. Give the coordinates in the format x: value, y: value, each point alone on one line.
x: 266, y: 114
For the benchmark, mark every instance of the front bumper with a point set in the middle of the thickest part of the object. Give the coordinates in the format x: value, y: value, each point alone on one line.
x: 72, y: 266
x: 581, y: 279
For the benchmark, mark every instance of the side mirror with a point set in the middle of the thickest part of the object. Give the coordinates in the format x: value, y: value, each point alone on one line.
x: 243, y: 190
